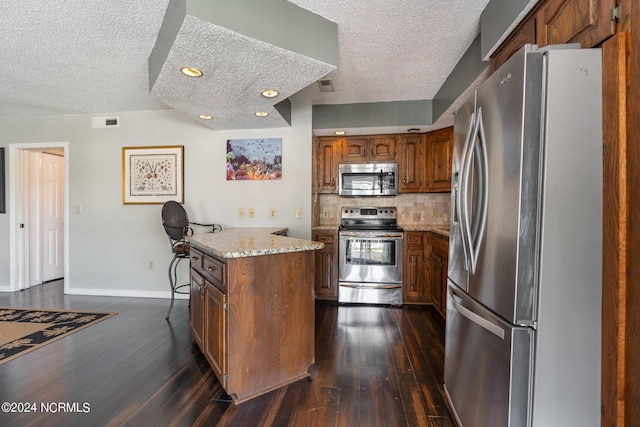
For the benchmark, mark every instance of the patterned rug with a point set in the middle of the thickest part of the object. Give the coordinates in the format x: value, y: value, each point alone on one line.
x: 23, y: 329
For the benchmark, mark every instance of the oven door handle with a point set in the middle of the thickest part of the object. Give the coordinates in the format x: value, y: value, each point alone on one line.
x: 377, y: 286
x: 394, y: 236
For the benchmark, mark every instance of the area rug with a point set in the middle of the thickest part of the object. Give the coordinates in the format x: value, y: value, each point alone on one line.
x: 25, y: 329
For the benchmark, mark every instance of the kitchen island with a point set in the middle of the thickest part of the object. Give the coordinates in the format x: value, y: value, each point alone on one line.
x: 252, y: 307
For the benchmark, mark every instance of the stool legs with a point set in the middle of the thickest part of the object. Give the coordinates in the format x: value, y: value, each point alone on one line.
x: 173, y: 278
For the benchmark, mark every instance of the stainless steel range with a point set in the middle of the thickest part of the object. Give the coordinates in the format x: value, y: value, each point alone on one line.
x: 370, y: 251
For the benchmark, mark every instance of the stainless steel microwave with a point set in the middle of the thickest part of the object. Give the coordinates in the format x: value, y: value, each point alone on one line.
x: 368, y: 179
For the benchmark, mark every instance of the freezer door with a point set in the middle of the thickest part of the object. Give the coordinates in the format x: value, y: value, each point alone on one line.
x: 462, y: 128
x: 488, y: 365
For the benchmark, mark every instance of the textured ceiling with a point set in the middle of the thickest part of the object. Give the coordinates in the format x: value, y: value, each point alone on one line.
x: 91, y: 56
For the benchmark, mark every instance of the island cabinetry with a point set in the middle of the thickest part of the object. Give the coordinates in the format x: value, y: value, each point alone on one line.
x: 410, y: 164
x: 328, y: 158
x: 257, y: 317
x: 369, y: 149
x: 326, y: 281
x: 415, y: 288
x: 437, y: 262
x: 439, y: 149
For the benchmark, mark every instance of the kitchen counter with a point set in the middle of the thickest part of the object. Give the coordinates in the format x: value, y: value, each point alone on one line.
x: 252, y: 316
x: 443, y: 230
x: 251, y: 241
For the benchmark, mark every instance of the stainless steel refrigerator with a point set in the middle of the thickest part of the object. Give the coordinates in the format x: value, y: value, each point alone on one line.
x: 523, y: 325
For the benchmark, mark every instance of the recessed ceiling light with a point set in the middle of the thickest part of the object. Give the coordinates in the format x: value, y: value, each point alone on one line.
x: 270, y: 93
x: 191, y: 72
x: 261, y: 113
x: 340, y: 132
x: 413, y: 130
x: 205, y: 116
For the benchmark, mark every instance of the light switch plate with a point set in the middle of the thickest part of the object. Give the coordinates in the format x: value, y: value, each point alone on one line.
x: 272, y: 213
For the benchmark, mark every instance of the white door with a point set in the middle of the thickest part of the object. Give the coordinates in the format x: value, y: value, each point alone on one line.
x: 52, y: 217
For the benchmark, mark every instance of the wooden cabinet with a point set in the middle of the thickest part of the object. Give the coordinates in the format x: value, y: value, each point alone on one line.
x: 439, y: 150
x: 437, y: 260
x: 326, y: 279
x: 215, y: 331
x: 410, y: 164
x: 588, y: 22
x: 369, y: 149
x: 253, y: 319
x: 415, y: 289
x: 327, y: 160
x: 425, y: 269
x: 197, y: 308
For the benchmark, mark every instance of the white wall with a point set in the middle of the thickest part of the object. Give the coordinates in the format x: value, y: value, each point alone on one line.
x: 111, y: 244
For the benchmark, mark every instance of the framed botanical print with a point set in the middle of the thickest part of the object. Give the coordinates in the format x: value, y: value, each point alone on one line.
x: 152, y: 175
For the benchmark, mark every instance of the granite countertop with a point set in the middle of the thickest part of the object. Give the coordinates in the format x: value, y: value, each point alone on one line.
x: 250, y: 241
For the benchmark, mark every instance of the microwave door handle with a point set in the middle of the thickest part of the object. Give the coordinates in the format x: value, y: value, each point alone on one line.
x: 381, y: 181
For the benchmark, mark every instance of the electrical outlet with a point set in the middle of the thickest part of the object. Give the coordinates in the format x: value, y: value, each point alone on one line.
x: 240, y: 212
x: 272, y: 213
x: 325, y: 213
x: 78, y: 209
x: 150, y: 266
x: 298, y: 213
x: 252, y: 213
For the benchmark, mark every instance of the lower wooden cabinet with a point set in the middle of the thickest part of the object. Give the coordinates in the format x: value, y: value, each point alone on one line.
x: 415, y: 286
x: 326, y: 275
x: 253, y: 319
x: 425, y: 269
x: 438, y: 254
x: 215, y: 331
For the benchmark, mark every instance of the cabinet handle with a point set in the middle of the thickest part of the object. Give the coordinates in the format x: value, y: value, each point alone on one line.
x: 404, y: 180
x: 333, y: 182
x: 195, y: 257
x: 212, y: 268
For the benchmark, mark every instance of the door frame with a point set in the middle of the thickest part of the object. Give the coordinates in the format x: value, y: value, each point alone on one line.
x: 17, y: 254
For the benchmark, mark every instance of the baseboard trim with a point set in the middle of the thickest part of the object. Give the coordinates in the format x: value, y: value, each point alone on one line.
x: 128, y: 293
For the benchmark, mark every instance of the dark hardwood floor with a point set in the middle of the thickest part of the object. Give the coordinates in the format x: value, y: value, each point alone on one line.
x: 375, y: 366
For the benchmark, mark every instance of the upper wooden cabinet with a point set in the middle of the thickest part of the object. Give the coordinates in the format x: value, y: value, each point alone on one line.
x: 410, y: 164
x: 588, y: 22
x: 363, y: 149
x: 327, y: 160
x: 439, y: 149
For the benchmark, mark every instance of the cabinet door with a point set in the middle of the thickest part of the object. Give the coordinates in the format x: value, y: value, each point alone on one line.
x: 587, y: 22
x: 215, y: 349
x: 410, y: 165
x: 354, y: 150
x: 382, y: 149
x: 435, y: 273
x: 326, y: 281
x: 439, y: 150
x: 327, y: 166
x: 197, y: 308
x: 414, y: 287
x: 438, y: 264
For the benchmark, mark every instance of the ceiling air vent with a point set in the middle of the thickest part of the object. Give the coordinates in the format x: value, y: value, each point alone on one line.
x: 325, y: 85
x: 105, y: 122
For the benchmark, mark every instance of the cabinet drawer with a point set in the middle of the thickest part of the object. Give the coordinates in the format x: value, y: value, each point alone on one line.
x: 197, y: 258
x: 414, y: 238
x: 213, y: 270
x: 327, y: 239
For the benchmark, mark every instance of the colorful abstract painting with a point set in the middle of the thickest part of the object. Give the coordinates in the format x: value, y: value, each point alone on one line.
x: 254, y: 159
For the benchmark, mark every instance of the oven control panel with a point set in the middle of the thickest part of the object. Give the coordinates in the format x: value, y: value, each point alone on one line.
x: 368, y: 213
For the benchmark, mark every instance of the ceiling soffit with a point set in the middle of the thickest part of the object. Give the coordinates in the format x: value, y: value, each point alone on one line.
x: 271, y: 44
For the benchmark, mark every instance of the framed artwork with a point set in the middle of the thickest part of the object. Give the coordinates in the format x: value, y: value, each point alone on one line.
x: 3, y: 206
x: 152, y: 175
x: 254, y: 159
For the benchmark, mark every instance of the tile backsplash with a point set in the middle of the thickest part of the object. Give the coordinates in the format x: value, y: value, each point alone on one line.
x: 417, y: 209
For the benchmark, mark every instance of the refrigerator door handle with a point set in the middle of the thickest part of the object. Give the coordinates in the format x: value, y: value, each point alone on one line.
x: 472, y: 224
x: 475, y: 318
x: 460, y: 195
x: 483, y: 190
